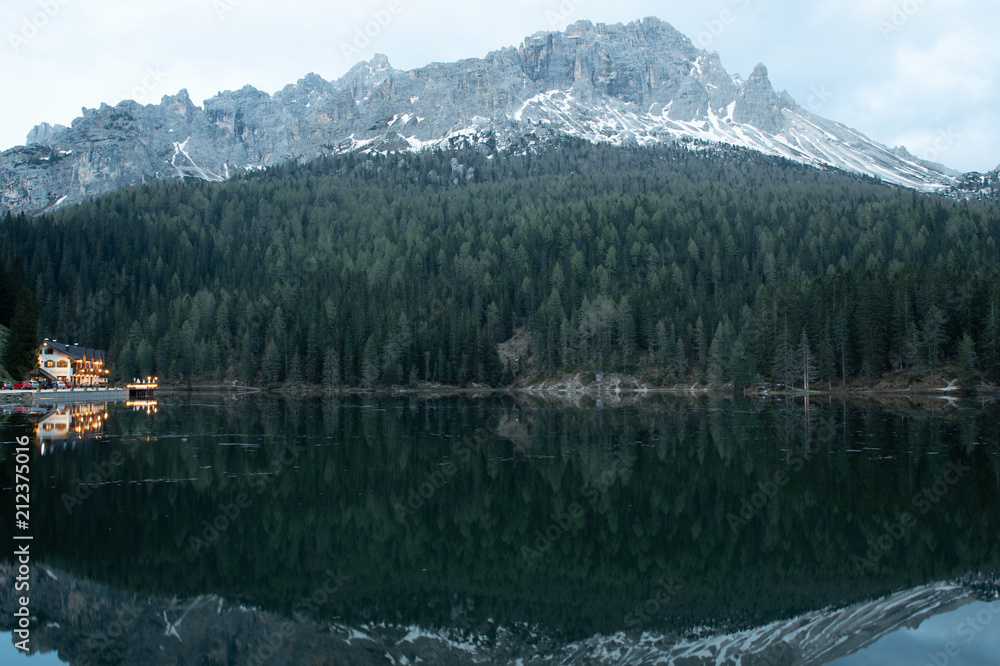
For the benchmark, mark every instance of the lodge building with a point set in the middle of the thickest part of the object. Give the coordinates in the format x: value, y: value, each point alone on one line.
x: 73, y: 364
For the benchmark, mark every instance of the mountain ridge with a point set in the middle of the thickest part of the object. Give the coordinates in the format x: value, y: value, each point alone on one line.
x: 639, y: 83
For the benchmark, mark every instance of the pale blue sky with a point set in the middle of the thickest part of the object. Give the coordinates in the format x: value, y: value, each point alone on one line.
x: 921, y: 73
x: 972, y: 632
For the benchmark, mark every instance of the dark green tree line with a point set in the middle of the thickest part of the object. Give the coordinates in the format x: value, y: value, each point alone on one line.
x: 377, y: 270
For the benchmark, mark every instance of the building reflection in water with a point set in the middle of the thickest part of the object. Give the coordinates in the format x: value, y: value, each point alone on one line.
x: 62, y: 425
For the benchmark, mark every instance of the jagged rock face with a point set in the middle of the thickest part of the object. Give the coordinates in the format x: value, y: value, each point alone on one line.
x: 757, y: 104
x: 90, y: 623
x: 639, y: 83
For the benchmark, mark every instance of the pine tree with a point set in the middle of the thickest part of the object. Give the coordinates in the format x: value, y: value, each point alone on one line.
x: 507, y: 378
x: 144, y: 358
x: 626, y: 330
x: 125, y: 366
x: 20, y: 354
x: 295, y: 369
x: 663, y: 349
x: 369, y: 363
x: 271, y: 363
x: 784, y: 361
x: 314, y: 356
x: 842, y: 341
x: 701, y: 346
x: 679, y: 367
x: 743, y: 367
x: 967, y: 363
x: 806, y: 361
x: 720, y: 354
x: 8, y: 297
x: 331, y: 369
x: 991, y: 342
x: 933, y: 336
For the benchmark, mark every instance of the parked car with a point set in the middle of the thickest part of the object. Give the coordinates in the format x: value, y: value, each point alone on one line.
x: 6, y: 386
x: 62, y: 385
x: 26, y: 386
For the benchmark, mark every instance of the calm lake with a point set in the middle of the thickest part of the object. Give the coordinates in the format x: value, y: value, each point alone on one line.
x: 509, y: 530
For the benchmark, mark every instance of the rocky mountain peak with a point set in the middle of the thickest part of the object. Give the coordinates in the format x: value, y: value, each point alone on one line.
x: 637, y: 83
x: 757, y: 104
x: 43, y: 133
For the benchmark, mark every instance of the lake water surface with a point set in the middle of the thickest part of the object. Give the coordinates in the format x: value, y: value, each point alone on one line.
x: 495, y: 529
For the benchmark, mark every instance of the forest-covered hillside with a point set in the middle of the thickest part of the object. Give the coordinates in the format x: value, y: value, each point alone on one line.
x: 681, y: 265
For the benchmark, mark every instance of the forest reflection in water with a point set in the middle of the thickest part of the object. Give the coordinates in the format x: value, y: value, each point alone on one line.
x: 662, y: 515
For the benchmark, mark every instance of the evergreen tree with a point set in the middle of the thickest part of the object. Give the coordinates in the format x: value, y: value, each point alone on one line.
x: 680, y: 363
x: 933, y: 336
x: 663, y: 344
x: 295, y: 370
x: 20, y: 354
x: 967, y: 362
x: 784, y: 361
x: 331, y: 369
x: 806, y: 361
x: 626, y: 330
x: 125, y: 367
x: 701, y: 346
x: 144, y: 359
x: 842, y: 341
x: 8, y: 297
x: 369, y: 363
x: 271, y: 363
x: 720, y: 354
x: 742, y: 364
x: 633, y: 250
x: 991, y: 342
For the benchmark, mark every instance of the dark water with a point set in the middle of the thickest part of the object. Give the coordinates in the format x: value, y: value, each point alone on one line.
x: 513, y: 528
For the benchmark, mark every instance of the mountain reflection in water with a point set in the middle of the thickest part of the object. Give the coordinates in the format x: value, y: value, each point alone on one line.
x: 376, y: 527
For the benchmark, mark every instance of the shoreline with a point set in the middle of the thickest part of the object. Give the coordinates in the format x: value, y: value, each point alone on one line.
x: 944, y: 393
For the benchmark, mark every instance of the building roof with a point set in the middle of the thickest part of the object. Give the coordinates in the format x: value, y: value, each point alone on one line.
x: 76, y: 352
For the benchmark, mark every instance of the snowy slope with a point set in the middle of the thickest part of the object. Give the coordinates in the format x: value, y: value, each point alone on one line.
x: 636, y: 84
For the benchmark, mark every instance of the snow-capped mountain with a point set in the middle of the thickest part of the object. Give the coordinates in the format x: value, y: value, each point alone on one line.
x: 640, y: 83
x: 75, y: 609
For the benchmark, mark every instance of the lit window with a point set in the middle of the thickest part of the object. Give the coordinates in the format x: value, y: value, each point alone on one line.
x: 50, y: 364
x: 63, y: 364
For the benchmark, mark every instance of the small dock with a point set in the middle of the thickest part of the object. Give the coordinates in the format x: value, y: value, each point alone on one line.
x: 53, y: 396
x: 80, y: 394
x: 139, y: 390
